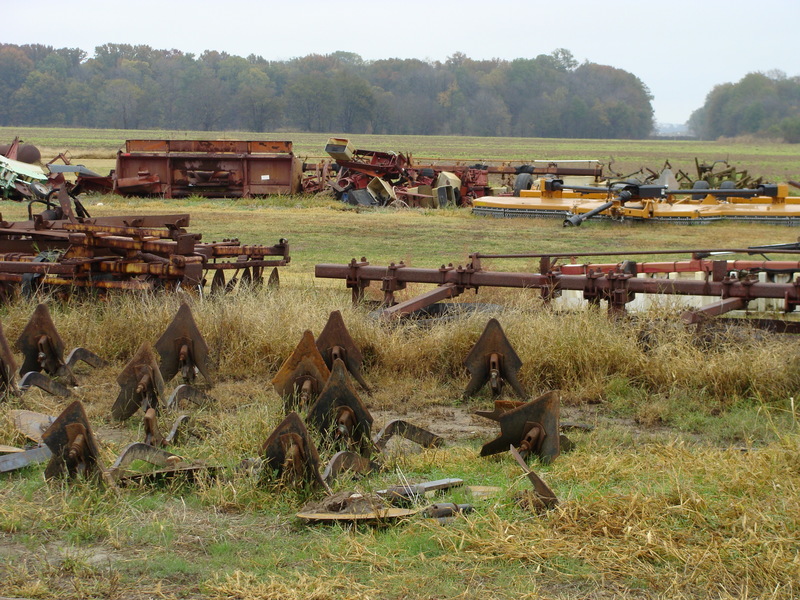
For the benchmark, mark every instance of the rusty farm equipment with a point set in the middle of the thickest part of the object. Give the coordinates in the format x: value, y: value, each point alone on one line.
x: 59, y: 250
x: 721, y: 285
x: 211, y: 168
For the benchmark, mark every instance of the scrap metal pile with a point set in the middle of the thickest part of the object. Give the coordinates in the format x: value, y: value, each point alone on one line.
x: 315, y: 380
x: 726, y: 285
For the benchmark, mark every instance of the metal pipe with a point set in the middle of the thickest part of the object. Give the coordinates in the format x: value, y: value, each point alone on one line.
x: 576, y: 220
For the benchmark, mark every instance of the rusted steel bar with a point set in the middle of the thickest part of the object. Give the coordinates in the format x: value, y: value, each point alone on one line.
x: 691, y: 317
x: 442, y: 292
x: 692, y: 252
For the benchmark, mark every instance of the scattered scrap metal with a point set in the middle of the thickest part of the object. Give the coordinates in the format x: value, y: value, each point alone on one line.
x: 337, y: 415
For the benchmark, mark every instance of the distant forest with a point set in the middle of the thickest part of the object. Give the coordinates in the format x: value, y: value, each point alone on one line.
x: 132, y: 87
x: 761, y: 104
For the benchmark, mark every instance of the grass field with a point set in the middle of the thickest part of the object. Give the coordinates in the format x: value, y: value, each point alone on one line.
x: 688, y: 485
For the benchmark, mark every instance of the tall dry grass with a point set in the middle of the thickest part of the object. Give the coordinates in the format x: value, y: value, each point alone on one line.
x: 580, y: 352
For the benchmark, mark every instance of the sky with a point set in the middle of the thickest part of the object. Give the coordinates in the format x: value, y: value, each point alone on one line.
x: 680, y: 49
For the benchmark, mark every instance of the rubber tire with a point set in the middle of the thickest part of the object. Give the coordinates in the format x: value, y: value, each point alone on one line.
x: 523, y: 181
x: 700, y: 184
x: 40, y: 190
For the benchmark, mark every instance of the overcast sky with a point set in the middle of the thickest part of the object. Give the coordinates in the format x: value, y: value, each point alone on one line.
x: 679, y: 48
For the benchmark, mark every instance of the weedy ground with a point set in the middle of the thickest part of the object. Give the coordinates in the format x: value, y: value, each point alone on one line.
x: 687, y: 485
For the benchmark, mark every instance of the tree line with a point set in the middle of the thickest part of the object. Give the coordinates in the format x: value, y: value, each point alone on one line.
x: 761, y: 104
x: 137, y: 87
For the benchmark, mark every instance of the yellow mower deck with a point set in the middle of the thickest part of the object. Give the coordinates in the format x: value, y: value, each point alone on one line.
x: 782, y: 209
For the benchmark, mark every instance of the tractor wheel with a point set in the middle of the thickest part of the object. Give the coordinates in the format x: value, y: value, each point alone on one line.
x: 523, y: 181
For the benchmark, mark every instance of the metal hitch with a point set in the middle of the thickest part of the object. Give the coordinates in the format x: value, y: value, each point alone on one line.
x: 42, y: 347
x: 73, y: 445
x: 339, y: 411
x: 416, y: 434
x: 152, y: 433
x: 335, y: 342
x: 140, y: 384
x: 291, y: 453
x: 544, y: 494
x: 302, y: 376
x: 183, y: 349
x: 493, y: 360
x: 532, y: 427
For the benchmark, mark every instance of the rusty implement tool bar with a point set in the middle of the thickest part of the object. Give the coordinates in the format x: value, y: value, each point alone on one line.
x: 618, y: 284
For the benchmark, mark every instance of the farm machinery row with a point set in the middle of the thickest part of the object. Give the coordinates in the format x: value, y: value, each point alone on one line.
x: 573, y: 190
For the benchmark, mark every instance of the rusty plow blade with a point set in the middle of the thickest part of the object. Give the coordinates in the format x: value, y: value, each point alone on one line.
x: 544, y: 494
x: 339, y: 412
x: 493, y: 360
x: 140, y: 384
x: 42, y: 347
x: 191, y: 394
x: 171, y: 466
x: 152, y: 433
x: 335, y: 342
x: 409, y: 431
x: 291, y: 454
x: 74, y: 448
x: 533, y: 428
x: 8, y: 367
x: 302, y: 376
x: 345, y: 461
x: 183, y: 349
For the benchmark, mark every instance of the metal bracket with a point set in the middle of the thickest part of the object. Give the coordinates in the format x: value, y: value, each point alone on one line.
x: 335, y: 342
x: 543, y: 492
x: 42, y: 381
x: 532, y: 427
x: 90, y: 358
x: 183, y: 348
x: 339, y: 409
x: 493, y: 360
x: 416, y: 434
x: 140, y: 384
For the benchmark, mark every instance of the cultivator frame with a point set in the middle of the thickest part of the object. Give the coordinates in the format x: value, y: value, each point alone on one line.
x: 123, y: 252
x: 729, y: 284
